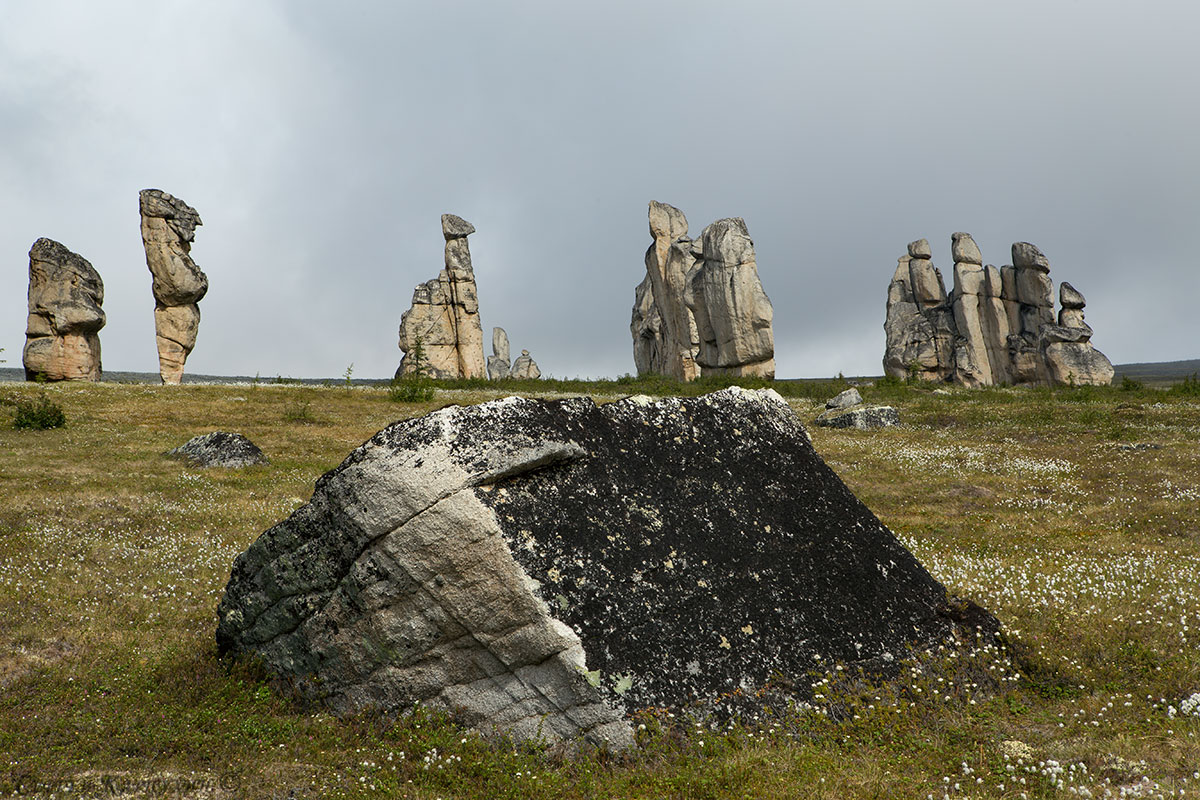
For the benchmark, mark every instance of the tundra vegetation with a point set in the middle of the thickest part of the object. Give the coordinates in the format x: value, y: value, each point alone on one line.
x: 1073, y: 514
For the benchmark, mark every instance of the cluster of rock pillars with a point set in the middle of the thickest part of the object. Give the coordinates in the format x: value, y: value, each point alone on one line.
x: 996, y: 326
x: 699, y: 310
x: 62, y: 334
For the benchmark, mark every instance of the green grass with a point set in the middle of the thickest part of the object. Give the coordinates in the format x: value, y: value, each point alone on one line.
x: 1073, y: 514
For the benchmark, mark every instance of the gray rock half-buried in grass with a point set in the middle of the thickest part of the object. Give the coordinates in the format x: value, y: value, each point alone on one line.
x: 219, y: 449
x: 544, y: 568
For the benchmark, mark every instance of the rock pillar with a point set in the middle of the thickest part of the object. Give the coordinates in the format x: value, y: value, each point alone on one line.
x: 168, y: 229
x: 444, y: 317
x: 62, y: 341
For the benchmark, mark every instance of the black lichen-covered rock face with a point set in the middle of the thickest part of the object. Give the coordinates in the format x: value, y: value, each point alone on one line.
x: 703, y: 546
x: 219, y: 449
x: 547, y: 567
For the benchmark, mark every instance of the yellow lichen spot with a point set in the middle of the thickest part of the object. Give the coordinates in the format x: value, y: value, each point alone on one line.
x: 702, y: 583
x: 669, y: 564
x: 748, y: 630
x: 725, y: 643
x: 553, y: 574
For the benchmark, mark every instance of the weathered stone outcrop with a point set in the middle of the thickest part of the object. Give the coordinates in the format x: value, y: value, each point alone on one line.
x: 498, y: 364
x: 847, y: 410
x: 168, y: 229
x: 920, y: 322
x: 219, y: 449
x: 444, y: 316
x: 525, y: 368
x: 62, y: 341
x: 545, y: 567
x: 995, y: 327
x: 701, y: 307
x: 1068, y: 352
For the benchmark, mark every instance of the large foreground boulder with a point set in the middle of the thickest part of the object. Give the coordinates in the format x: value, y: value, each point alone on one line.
x: 547, y: 567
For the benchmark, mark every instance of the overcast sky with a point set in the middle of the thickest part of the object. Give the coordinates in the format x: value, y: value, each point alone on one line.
x: 321, y: 142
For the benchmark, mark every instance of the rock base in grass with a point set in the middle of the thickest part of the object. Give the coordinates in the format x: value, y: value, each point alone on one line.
x: 863, y: 418
x: 219, y: 449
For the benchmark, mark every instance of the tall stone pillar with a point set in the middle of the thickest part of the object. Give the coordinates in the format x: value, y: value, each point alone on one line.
x: 168, y: 229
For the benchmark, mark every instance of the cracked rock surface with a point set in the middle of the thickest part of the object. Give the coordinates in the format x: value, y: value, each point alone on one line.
x: 546, y: 567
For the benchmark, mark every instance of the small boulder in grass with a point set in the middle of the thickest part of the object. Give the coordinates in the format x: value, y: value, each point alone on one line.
x: 219, y: 449
x: 863, y: 418
x: 850, y: 397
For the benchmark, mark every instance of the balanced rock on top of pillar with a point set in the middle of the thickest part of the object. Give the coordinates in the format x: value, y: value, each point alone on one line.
x: 443, y: 320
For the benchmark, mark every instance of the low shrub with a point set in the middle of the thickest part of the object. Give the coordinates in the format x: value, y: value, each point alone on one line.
x: 411, y: 389
x: 1188, y: 387
x: 1128, y: 384
x: 38, y: 415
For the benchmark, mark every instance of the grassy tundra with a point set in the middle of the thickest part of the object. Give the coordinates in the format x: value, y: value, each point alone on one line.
x: 1074, y: 515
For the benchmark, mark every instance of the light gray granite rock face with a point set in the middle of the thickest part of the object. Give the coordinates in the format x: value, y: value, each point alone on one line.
x: 1077, y: 363
x: 219, y: 449
x: 546, y: 567
x: 920, y: 249
x: 701, y: 306
x: 62, y: 331
x: 1069, y: 297
x: 444, y: 315
x: 500, y: 346
x: 733, y: 314
x: 850, y: 397
x: 168, y: 230
x: 996, y: 326
x: 920, y: 319
x: 1028, y: 256
x: 646, y: 327
x: 1067, y: 351
x: 498, y: 369
x: 498, y: 365
x: 669, y: 264
x: 964, y: 250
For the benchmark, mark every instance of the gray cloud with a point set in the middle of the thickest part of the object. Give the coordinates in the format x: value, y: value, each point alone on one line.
x: 320, y: 144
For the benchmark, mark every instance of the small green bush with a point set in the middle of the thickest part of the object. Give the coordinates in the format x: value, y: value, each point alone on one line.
x: 410, y: 389
x: 1189, y: 387
x: 38, y: 415
x: 298, y: 411
x: 1128, y: 384
x: 415, y: 386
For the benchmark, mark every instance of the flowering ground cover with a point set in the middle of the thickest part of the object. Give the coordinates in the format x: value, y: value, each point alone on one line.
x: 1073, y: 515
